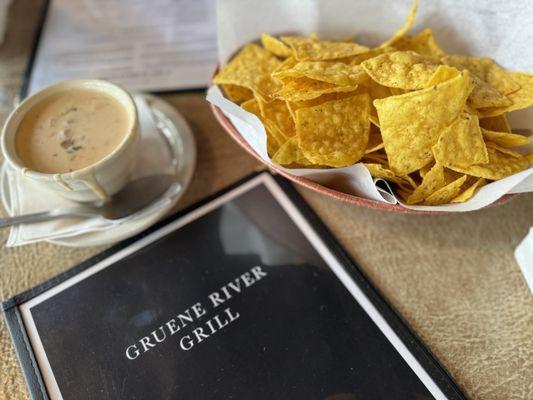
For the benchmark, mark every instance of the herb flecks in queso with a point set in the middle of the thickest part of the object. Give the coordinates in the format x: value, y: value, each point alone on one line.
x: 71, y: 130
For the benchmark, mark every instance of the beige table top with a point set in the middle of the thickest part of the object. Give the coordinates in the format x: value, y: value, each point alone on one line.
x: 453, y: 277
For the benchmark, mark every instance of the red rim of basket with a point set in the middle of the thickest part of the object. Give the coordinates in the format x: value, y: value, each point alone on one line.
x: 348, y: 198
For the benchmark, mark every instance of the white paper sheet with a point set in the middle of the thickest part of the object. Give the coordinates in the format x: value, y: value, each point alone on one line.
x: 489, y: 28
x: 143, y: 45
x: 524, y: 257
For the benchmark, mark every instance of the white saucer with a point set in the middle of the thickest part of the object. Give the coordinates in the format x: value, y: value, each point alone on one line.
x: 173, y: 127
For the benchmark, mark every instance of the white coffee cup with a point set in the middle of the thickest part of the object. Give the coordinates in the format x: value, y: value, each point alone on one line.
x: 98, y: 181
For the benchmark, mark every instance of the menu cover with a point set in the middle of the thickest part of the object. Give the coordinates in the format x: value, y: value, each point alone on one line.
x: 243, y: 296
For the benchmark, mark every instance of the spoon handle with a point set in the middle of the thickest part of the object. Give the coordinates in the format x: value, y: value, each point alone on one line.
x: 39, y: 217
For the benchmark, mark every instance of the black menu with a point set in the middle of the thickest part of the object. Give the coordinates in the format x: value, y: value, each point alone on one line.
x: 245, y: 296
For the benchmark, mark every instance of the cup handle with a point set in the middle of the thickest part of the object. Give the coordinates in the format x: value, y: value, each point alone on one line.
x: 91, y: 182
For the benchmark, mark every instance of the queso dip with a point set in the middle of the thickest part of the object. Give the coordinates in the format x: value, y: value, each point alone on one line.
x: 71, y: 130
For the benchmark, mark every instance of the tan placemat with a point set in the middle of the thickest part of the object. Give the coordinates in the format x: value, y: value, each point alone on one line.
x: 453, y: 277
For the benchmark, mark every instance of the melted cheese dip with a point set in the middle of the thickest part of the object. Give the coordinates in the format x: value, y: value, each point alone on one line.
x: 71, y: 130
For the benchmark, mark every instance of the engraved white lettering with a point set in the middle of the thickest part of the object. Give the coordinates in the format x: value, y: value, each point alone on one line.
x: 200, y: 335
x: 198, y: 310
x: 132, y: 355
x: 215, y: 299
x: 172, y: 327
x: 235, y: 286
x: 185, y: 317
x: 258, y: 272
x: 247, y: 279
x: 195, y: 313
x: 186, y: 343
x: 164, y: 335
x: 145, y: 342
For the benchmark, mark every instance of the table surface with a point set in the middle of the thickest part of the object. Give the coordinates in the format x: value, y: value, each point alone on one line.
x: 453, y: 277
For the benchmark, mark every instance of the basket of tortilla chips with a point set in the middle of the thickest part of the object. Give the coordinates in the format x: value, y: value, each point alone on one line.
x: 429, y: 127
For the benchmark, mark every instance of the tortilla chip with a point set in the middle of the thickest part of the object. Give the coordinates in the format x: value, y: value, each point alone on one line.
x: 505, y: 150
x: 275, y: 46
x: 375, y: 91
x: 380, y: 172
x: 468, y: 193
x: 374, y: 119
x: 278, y: 112
x: 334, y: 72
x: 487, y: 70
x: 425, y: 169
x: 461, y: 143
x: 289, y: 154
x: 498, y: 123
x: 410, y: 181
x: 450, y: 176
x: 308, y: 49
x: 237, y: 94
x: 376, y: 157
x: 520, y: 99
x: 432, y: 181
x: 447, y: 193
x: 424, y: 44
x: 411, y: 123
x: 286, y: 64
x: 251, y: 106
x: 301, y: 89
x: 334, y: 133
x: 293, y: 106
x: 251, y: 68
x: 374, y: 148
x: 442, y: 74
x: 500, y: 165
x: 404, y: 193
x: 484, y: 94
x: 401, y: 70
x: 375, y: 142
x: 359, y: 58
x: 505, y: 139
x: 275, y: 138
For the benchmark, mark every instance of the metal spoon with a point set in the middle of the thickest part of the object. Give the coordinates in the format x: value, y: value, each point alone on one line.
x: 136, y: 195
